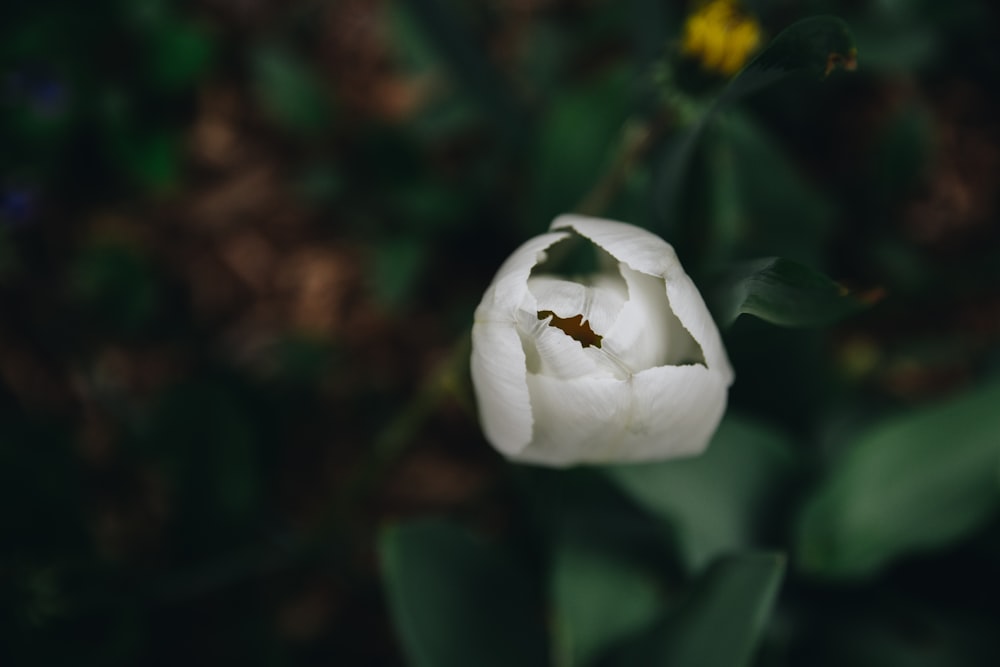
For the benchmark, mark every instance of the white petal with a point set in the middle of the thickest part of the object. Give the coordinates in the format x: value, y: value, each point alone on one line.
x: 599, y: 304
x: 647, y: 253
x: 499, y: 377
x: 642, y: 332
x: 509, y: 288
x: 576, y: 419
x: 642, y: 250
x: 660, y: 413
x: 677, y: 410
x: 690, y: 309
x: 551, y: 351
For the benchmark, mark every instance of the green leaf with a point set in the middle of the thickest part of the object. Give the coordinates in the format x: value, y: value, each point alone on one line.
x: 397, y: 269
x: 468, y: 61
x: 913, y: 483
x: 781, y: 292
x: 290, y: 92
x: 722, y: 623
x: 457, y: 602
x: 599, y: 600
x: 713, y: 501
x: 576, y: 139
x: 760, y: 203
x: 812, y: 46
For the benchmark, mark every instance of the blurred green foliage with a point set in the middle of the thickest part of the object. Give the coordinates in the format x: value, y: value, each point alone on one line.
x: 240, y: 248
x: 910, y: 484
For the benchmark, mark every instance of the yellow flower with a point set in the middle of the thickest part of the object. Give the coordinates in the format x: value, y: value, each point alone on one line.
x: 720, y: 36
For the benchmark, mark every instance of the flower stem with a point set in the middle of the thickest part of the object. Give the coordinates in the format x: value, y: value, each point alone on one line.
x: 637, y: 137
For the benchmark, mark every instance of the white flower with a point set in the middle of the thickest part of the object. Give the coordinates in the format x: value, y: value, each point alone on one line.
x: 624, y: 364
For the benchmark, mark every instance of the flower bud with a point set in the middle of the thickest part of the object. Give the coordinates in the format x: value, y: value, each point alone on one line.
x: 622, y: 364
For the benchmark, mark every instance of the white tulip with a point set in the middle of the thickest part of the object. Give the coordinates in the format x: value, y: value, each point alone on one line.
x: 624, y: 364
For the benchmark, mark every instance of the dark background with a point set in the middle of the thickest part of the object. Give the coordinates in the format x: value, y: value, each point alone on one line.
x: 240, y: 246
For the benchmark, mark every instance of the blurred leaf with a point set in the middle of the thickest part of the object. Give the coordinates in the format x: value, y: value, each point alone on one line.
x: 149, y: 154
x: 812, y: 46
x: 155, y: 161
x: 289, y: 91
x: 762, y: 204
x: 781, y: 292
x: 892, y: 47
x: 319, y: 183
x: 302, y: 359
x: 445, y: 112
x: 415, y: 51
x: 912, y: 483
x: 397, y: 268
x: 903, y: 153
x: 116, y: 284
x: 467, y: 59
x: 428, y: 204
x: 903, y: 633
x: 575, y: 140
x: 207, y: 438
x: 585, y: 506
x: 899, y: 36
x: 721, y: 625
x: 713, y: 501
x: 598, y: 600
x: 180, y: 52
x: 653, y: 25
x: 457, y: 602
x: 727, y: 214
x: 40, y: 488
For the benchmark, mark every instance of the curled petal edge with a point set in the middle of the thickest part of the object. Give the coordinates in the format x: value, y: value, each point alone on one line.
x: 509, y: 289
x: 647, y: 253
x: 500, y: 378
x: 498, y: 364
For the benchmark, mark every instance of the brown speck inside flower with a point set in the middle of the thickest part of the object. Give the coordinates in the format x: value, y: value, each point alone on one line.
x: 574, y: 327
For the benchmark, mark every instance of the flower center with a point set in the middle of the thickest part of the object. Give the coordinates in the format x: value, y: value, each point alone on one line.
x: 575, y: 327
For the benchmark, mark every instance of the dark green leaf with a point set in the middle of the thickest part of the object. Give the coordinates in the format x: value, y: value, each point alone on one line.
x: 721, y: 625
x: 813, y: 46
x: 913, y: 483
x: 713, y: 501
x: 457, y: 602
x: 781, y: 292
x: 760, y: 203
x: 584, y: 506
x: 599, y: 600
